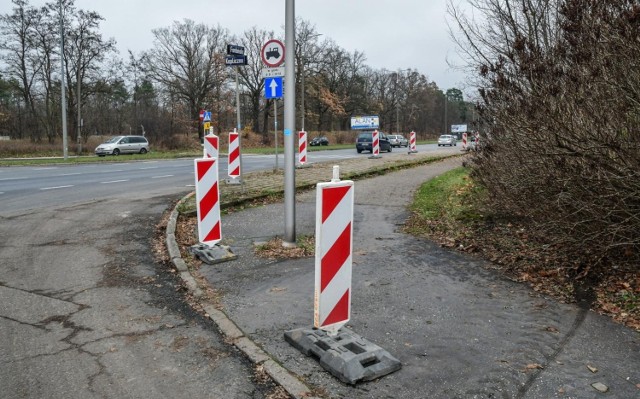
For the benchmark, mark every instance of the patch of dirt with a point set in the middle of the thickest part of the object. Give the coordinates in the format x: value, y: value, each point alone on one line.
x: 274, y: 249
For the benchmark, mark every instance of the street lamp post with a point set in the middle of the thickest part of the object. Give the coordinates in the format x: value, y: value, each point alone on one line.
x: 446, y: 101
x: 63, y: 93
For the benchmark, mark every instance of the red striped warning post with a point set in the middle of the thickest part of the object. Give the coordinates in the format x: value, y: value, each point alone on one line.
x: 234, y: 154
x: 333, y: 262
x: 302, y: 147
x: 208, y: 200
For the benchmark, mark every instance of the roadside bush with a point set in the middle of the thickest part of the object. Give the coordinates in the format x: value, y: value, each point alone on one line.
x: 561, y: 102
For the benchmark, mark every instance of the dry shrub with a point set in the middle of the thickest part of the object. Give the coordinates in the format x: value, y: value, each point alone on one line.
x: 563, y: 146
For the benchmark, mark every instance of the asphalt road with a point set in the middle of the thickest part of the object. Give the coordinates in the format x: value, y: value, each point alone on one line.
x: 33, y: 187
x: 88, y: 309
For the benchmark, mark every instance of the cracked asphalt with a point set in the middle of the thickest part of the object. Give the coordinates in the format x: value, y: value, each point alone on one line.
x: 86, y: 311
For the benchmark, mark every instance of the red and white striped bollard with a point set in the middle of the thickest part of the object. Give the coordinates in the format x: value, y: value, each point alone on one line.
x: 464, y: 141
x: 302, y: 147
x: 234, y: 156
x: 334, y: 245
x: 412, y: 142
x: 211, y: 145
x: 208, y: 200
x: 375, y: 144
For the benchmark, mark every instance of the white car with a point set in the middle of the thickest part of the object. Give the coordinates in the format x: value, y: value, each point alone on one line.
x: 447, y: 139
x: 123, y: 145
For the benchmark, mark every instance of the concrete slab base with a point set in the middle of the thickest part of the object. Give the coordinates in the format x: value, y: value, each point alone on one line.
x: 347, y: 356
x: 212, y: 254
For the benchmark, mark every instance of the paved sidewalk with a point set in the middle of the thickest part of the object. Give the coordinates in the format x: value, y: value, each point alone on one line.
x: 460, y: 330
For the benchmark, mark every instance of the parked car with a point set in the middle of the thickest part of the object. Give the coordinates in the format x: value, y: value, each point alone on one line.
x: 447, y: 139
x: 123, y: 145
x: 319, y: 141
x: 398, y: 140
x: 365, y: 139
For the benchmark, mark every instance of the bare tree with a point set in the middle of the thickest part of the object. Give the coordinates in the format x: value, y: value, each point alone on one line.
x: 560, y: 99
x: 188, y: 61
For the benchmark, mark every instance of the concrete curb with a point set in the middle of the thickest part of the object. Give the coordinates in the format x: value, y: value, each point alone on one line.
x: 259, y: 357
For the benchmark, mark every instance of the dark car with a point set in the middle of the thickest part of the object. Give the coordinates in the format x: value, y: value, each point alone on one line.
x: 363, y: 142
x: 319, y: 141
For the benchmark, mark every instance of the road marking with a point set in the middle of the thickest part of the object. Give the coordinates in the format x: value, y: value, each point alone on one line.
x: 55, y: 188
x: 160, y: 177
x: 111, y: 171
x: 45, y: 168
x: 113, y: 181
x: 151, y: 167
x: 13, y: 178
x: 70, y: 174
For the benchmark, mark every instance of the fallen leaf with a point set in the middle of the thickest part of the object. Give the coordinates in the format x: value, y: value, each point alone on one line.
x: 592, y: 369
x: 533, y: 366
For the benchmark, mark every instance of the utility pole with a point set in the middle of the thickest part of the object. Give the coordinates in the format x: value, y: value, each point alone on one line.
x: 289, y: 239
x: 63, y: 92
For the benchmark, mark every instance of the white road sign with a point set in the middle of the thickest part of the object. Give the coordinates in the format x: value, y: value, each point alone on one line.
x: 272, y: 72
x: 272, y: 53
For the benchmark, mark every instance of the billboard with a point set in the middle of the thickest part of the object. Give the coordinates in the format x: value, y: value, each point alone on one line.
x: 458, y: 128
x: 365, y: 122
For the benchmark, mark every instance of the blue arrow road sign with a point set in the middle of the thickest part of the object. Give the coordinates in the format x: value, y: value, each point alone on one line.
x: 273, y: 87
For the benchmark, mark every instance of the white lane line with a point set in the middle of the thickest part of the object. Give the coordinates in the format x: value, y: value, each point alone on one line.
x: 151, y: 167
x: 1, y: 192
x: 55, y: 188
x: 45, y: 168
x: 160, y: 177
x: 13, y: 178
x: 111, y: 171
x: 113, y: 181
x: 70, y: 174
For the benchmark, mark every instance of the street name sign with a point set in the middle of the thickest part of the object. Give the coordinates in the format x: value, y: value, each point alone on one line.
x: 233, y: 49
x: 234, y: 60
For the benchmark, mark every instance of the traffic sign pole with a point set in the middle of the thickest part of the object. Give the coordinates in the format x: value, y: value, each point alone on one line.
x: 289, y: 128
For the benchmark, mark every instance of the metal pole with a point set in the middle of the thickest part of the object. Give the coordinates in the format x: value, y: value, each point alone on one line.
x: 446, y: 100
x: 289, y: 238
x: 275, y: 123
x: 79, y: 122
x: 302, y: 90
x: 63, y: 92
x: 238, y: 119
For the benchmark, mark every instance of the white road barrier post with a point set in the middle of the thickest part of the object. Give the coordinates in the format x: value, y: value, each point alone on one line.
x: 302, y: 147
x: 211, y: 145
x: 208, y: 201
x: 234, y: 158
x: 412, y: 143
x: 333, y: 261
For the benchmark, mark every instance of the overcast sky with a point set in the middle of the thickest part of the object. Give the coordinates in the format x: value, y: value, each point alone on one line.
x: 393, y: 34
